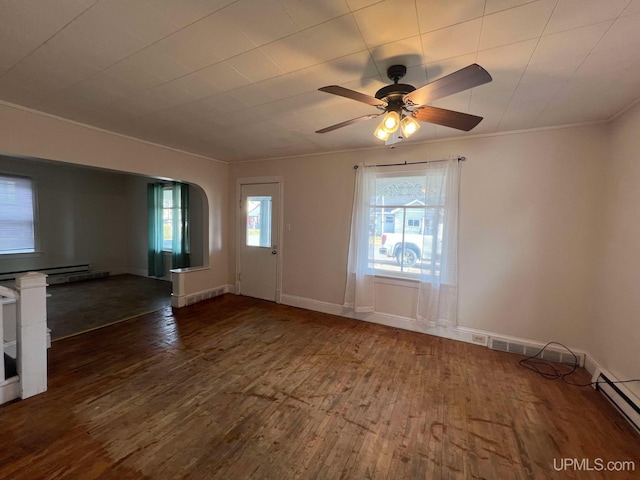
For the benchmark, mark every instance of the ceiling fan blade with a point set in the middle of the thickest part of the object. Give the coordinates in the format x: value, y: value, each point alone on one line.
x: 463, y: 79
x: 448, y: 118
x: 353, y: 95
x: 348, y: 122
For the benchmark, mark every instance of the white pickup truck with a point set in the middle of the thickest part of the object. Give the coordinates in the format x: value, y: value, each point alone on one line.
x: 408, y: 256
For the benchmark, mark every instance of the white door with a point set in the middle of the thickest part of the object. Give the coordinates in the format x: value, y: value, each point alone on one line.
x: 258, y: 245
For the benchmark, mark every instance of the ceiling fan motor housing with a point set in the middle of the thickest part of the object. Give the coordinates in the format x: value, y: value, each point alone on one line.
x: 393, y: 95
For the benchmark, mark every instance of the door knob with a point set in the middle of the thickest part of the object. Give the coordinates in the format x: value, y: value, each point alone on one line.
x: 274, y: 252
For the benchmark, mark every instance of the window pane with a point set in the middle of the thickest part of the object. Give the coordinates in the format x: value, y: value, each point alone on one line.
x: 408, y: 222
x: 396, y: 250
x: 416, y: 189
x: 432, y: 252
x: 17, y: 232
x: 400, y: 190
x: 259, y: 221
x: 167, y: 219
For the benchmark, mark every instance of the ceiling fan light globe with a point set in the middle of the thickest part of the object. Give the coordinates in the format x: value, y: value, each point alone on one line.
x: 391, y: 121
x: 381, y: 132
x: 409, y: 126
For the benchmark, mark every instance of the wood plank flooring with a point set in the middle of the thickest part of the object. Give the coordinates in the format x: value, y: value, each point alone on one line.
x: 237, y: 388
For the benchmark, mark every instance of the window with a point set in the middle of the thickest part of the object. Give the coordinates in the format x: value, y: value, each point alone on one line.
x: 168, y: 222
x: 259, y: 221
x: 419, y: 241
x: 407, y: 211
x: 17, y: 226
x: 167, y: 218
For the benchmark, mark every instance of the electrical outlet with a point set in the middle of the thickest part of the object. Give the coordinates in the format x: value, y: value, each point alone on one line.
x: 480, y: 339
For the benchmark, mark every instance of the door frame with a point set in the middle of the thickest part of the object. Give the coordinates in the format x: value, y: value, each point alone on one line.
x: 279, y: 180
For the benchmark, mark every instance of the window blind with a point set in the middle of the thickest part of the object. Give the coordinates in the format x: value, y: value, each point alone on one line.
x: 17, y: 232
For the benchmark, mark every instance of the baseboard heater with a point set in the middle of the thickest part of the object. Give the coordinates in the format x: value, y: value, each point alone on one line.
x: 623, y: 402
x: 76, y: 277
x: 58, y: 275
x: 551, y: 353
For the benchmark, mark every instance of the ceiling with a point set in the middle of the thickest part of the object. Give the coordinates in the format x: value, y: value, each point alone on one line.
x: 237, y: 80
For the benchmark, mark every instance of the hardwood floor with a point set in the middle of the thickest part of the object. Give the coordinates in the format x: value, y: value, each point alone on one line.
x: 236, y: 388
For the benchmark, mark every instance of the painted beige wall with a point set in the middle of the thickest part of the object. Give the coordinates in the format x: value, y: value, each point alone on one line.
x: 615, y: 342
x: 35, y: 135
x: 79, y: 217
x: 528, y: 212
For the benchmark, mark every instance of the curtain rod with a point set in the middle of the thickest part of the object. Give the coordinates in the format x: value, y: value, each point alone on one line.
x: 460, y: 159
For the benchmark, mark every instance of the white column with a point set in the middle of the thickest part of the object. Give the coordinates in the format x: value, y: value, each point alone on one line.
x: 32, y: 333
x: 178, y: 296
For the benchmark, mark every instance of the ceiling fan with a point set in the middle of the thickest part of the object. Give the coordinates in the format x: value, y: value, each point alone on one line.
x: 402, y: 105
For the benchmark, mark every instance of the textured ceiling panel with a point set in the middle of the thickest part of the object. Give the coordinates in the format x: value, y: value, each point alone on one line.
x: 238, y: 80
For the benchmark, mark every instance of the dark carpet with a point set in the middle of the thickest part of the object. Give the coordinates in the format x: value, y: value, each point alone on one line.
x: 77, y: 307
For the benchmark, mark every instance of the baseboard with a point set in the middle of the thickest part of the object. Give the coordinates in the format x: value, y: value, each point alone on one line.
x: 141, y: 272
x: 9, y: 390
x: 202, y: 295
x: 117, y: 271
x: 461, y: 334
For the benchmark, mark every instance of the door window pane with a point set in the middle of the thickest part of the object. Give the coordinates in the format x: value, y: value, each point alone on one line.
x: 259, y: 221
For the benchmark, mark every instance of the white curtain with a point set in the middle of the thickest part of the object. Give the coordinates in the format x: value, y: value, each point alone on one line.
x: 438, y: 290
x: 360, y: 271
x: 422, y: 205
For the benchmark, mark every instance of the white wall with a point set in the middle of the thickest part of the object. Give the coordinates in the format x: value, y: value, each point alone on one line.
x: 79, y: 218
x: 35, y: 135
x: 616, y: 328
x: 528, y: 212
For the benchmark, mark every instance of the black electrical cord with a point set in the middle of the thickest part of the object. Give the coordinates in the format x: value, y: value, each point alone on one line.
x: 551, y: 372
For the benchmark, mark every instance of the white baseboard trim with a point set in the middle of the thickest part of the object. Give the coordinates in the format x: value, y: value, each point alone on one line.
x: 462, y: 334
x: 202, y: 295
x: 9, y: 390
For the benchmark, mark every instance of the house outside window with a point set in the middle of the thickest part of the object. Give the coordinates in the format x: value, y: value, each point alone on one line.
x: 17, y: 215
x: 410, y: 215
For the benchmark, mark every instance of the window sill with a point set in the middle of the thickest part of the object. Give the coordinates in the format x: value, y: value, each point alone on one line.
x: 396, y: 281
x: 20, y: 255
x: 188, y: 269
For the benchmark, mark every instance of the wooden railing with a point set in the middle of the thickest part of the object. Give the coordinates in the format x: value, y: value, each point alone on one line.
x: 23, y: 331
